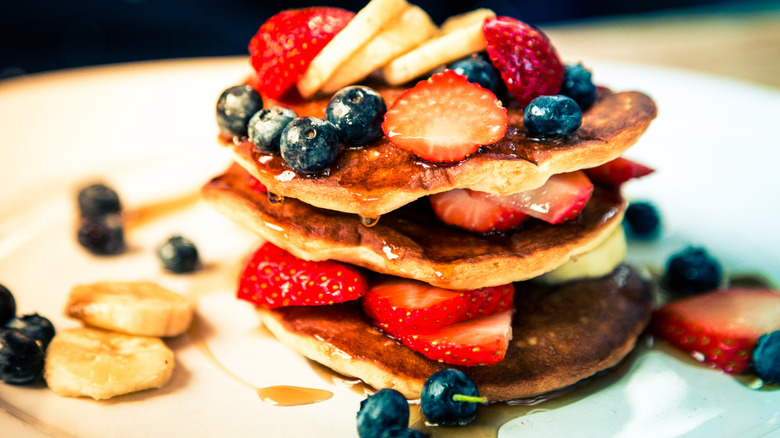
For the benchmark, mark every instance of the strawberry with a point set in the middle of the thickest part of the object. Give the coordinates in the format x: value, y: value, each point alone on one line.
x: 720, y: 327
x: 445, y: 118
x: 256, y: 185
x: 275, y: 278
x: 408, y: 304
x: 285, y: 45
x: 527, y: 61
x: 478, y: 341
x: 618, y: 171
x: 466, y: 209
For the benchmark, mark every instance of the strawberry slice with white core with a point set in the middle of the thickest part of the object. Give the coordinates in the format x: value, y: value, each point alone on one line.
x: 721, y: 327
x: 618, y: 171
x: 409, y: 304
x: 471, y: 211
x: 478, y: 341
x: 445, y: 118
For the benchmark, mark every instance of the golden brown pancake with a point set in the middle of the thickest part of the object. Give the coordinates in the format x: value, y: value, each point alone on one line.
x: 379, y: 178
x: 561, y: 335
x: 411, y: 242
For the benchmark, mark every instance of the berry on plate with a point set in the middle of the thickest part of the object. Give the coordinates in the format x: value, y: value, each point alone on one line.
x: 21, y: 358
x: 38, y: 327
x: 551, y: 117
x: 440, y: 398
x: 357, y: 113
x: 766, y: 357
x: 7, y: 305
x: 445, y: 118
x: 618, y: 171
x: 275, y: 278
x: 386, y: 410
x: 98, y: 200
x: 103, y: 235
x: 309, y: 144
x: 642, y: 220
x: 720, y: 327
x: 692, y: 271
x: 179, y: 255
x: 471, y: 211
x: 528, y: 63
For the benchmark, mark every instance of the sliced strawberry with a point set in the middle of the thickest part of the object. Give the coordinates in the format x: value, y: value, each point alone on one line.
x: 285, y: 45
x: 408, y: 304
x: 468, y: 210
x: 256, y: 185
x: 721, y: 327
x: 527, y: 61
x: 478, y: 341
x: 445, y: 118
x: 618, y: 171
x: 275, y: 278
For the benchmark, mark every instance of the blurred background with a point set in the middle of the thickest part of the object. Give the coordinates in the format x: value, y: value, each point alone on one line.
x: 44, y: 35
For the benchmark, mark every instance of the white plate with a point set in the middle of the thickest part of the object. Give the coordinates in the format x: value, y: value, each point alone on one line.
x: 149, y: 130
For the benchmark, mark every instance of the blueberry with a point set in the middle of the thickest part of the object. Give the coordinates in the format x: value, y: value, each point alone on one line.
x: 766, y: 357
x: 402, y: 433
x: 693, y: 271
x: 179, y: 255
x: 552, y: 117
x: 357, y: 113
x: 479, y: 71
x: 235, y: 107
x: 383, y: 411
x: 309, y: 144
x: 642, y: 220
x: 437, y: 401
x: 266, y: 126
x: 21, y: 358
x: 7, y: 305
x: 578, y: 84
x: 98, y: 200
x: 103, y: 235
x: 34, y: 326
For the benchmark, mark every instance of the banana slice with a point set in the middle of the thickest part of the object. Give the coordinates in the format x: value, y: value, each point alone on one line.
x: 136, y: 308
x: 363, y: 26
x: 101, y: 364
x: 593, y: 264
x: 460, y: 36
x: 404, y: 32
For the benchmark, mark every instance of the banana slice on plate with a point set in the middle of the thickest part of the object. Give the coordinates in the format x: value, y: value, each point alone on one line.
x: 595, y: 263
x: 101, y: 364
x: 136, y: 308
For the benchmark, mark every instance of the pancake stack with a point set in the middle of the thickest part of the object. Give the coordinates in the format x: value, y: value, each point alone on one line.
x: 370, y: 209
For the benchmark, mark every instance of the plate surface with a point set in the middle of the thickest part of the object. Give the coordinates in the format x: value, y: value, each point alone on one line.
x: 148, y: 129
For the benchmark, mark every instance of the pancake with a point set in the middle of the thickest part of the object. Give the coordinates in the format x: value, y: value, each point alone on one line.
x: 411, y: 242
x: 561, y: 335
x: 379, y: 178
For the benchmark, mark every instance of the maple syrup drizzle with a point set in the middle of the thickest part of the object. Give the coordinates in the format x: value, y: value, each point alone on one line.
x: 275, y: 199
x: 369, y: 221
x: 147, y: 213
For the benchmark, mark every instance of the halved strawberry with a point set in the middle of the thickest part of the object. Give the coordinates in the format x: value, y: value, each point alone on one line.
x: 275, y: 278
x: 445, y: 118
x: 527, y: 61
x: 478, y: 341
x: 468, y: 210
x: 721, y: 327
x: 618, y: 171
x: 408, y: 304
x: 287, y: 42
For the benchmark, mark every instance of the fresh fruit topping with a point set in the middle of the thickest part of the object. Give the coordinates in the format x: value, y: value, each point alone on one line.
x: 7, y: 305
x: 477, y: 341
x: 560, y: 199
x: 103, y: 235
x: 21, y: 358
x: 527, y: 61
x: 478, y: 69
x: 274, y: 278
x: 309, y: 144
x: 445, y: 118
x: 386, y: 410
x: 35, y: 326
x: 98, y: 200
x: 357, y: 113
x: 256, y: 185
x: 409, y: 304
x: 551, y: 117
x: 403, y: 433
x: 766, y: 357
x: 692, y: 271
x: 266, y: 126
x: 102, y: 364
x: 135, y: 308
x: 179, y: 255
x: 578, y: 84
x: 643, y: 220
x: 598, y: 262
x: 235, y: 107
x: 469, y: 210
x: 285, y: 45
x: 618, y: 171
x: 721, y: 327
x: 441, y: 398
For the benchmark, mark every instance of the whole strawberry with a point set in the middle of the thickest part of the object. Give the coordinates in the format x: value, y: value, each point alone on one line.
x: 285, y: 45
x: 527, y: 61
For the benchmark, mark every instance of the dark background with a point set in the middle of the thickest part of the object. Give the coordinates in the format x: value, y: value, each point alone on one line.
x: 42, y: 35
